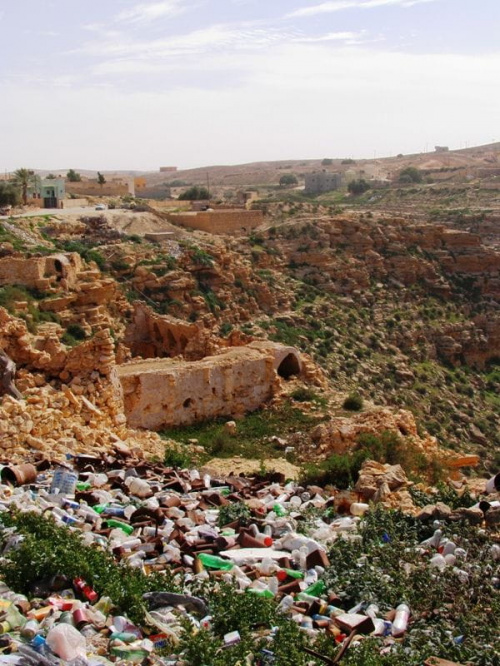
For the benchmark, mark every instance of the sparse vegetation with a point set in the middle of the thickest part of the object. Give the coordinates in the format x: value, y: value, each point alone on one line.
x: 357, y: 187
x: 195, y: 193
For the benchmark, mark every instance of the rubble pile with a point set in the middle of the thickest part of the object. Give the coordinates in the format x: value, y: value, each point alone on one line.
x: 136, y: 562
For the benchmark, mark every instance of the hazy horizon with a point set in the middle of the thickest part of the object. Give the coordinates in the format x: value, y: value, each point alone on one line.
x: 134, y: 85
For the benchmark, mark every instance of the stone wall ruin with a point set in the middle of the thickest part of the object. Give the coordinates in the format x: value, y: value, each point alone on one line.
x: 162, y: 393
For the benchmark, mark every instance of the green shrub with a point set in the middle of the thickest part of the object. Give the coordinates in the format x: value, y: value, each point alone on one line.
x: 76, y: 331
x: 225, y: 328
x: 47, y: 550
x: 175, y: 456
x: 235, y: 511
x: 359, y: 186
x: 353, y: 402
x: 195, y: 193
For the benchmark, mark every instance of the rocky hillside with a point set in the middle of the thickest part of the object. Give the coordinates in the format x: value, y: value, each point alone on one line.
x: 402, y: 313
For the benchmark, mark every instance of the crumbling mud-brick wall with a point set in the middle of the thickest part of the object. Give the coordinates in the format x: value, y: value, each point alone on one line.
x: 168, y: 392
x: 40, y: 272
x: 220, y: 221
x: 151, y: 335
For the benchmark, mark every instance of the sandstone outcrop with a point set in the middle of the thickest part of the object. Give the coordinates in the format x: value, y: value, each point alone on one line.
x: 341, y: 434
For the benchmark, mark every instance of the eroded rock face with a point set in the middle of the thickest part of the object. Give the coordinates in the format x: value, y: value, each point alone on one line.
x: 341, y: 433
x: 160, y: 393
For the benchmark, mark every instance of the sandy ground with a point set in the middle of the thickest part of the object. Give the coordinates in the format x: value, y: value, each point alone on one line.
x: 227, y: 466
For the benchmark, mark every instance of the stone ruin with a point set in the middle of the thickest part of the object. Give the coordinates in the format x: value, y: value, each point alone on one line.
x: 42, y: 273
x: 168, y: 392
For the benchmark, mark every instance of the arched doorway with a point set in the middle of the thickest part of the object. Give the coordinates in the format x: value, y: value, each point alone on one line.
x: 289, y: 366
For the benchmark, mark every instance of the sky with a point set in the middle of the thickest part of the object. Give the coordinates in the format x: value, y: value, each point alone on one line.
x: 138, y: 84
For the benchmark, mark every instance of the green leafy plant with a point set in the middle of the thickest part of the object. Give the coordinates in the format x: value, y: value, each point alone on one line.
x: 235, y: 511
x: 353, y: 402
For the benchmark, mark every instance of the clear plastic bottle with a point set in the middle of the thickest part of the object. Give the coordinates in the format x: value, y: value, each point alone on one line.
x: 401, y: 618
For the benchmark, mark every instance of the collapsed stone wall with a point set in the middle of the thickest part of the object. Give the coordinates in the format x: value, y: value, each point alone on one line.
x: 151, y: 335
x: 72, y: 400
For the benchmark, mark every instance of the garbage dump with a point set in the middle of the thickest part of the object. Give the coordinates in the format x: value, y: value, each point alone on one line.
x: 113, y: 559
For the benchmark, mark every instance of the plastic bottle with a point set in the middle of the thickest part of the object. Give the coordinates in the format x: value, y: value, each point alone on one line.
x: 372, y: 611
x: 264, y: 594
x: 316, y: 589
x: 285, y: 604
x: 279, y: 510
x: 401, y: 618
x: 85, y: 589
x: 493, y: 485
x: 438, y: 562
x: 39, y: 644
x: 283, y: 574
x: 215, y: 562
x: 128, y: 529
x: 138, y: 487
x: 30, y: 629
x: 359, y: 508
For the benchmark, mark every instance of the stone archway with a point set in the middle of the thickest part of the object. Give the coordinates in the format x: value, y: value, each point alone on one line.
x: 289, y: 366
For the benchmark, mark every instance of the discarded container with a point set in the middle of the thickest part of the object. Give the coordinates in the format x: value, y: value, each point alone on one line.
x: 493, y: 485
x: 20, y: 475
x: 214, y: 562
x: 400, y: 623
x: 63, y: 482
x: 67, y: 642
x: 359, y: 508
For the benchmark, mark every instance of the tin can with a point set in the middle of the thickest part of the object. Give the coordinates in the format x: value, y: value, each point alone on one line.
x: 67, y: 618
x: 30, y: 629
x: 80, y: 618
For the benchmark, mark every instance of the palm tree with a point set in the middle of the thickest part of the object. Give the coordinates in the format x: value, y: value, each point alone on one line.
x: 23, y: 178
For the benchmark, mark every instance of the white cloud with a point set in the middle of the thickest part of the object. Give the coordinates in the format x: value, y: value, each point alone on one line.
x: 296, y: 100
x: 147, y: 12
x: 339, y: 5
x: 333, y: 37
x: 211, y: 39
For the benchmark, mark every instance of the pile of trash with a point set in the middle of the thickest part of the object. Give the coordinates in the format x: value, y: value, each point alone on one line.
x: 268, y: 538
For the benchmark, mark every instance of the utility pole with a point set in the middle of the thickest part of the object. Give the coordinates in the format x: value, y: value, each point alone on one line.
x: 208, y: 184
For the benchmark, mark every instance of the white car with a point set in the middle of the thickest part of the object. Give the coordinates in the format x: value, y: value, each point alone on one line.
x: 100, y: 207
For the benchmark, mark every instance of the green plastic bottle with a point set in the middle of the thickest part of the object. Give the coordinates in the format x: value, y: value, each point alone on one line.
x: 99, y: 508
x: 279, y: 510
x: 130, y: 654
x: 316, y: 589
x: 214, y: 562
x: 263, y: 594
x: 123, y: 636
x: 291, y: 573
x: 82, y: 485
x: 128, y: 529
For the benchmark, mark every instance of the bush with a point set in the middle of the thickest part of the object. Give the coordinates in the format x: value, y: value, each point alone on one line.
x: 176, y: 457
x: 225, y: 329
x: 76, y: 331
x: 235, y: 511
x: 195, y: 193
x: 303, y: 394
x: 9, y: 195
x: 339, y: 470
x: 47, y: 550
x: 353, y: 402
x: 327, y: 161
x: 288, y: 179
x: 359, y: 186
x: 410, y: 175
